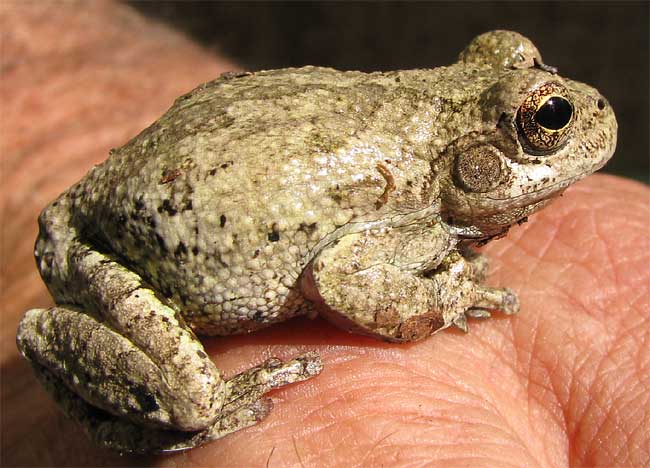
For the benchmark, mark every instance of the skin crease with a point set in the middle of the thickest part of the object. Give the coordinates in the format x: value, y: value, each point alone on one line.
x: 564, y: 382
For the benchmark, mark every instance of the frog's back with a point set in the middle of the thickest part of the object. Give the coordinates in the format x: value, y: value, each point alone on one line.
x: 220, y: 202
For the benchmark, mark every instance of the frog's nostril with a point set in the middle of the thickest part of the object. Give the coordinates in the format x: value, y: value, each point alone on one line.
x: 601, y: 103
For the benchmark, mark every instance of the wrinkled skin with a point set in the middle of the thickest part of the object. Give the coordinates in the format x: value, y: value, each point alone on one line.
x: 600, y: 417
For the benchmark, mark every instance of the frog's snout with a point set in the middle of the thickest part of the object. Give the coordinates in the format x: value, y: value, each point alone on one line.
x: 604, y: 113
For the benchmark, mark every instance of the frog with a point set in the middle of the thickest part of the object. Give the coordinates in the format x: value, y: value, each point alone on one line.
x: 262, y: 196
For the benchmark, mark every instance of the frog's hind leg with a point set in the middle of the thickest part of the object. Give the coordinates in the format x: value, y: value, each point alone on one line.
x: 121, y: 349
x: 133, y: 357
x: 244, y: 406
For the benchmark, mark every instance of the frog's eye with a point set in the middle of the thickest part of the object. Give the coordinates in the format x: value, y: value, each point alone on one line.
x: 544, y: 119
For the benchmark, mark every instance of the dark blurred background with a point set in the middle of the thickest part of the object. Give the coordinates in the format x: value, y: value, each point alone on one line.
x: 605, y: 44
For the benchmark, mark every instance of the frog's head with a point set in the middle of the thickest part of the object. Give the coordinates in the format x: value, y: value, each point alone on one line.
x: 538, y: 134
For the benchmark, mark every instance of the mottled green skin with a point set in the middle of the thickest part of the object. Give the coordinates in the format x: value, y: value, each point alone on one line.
x: 260, y: 196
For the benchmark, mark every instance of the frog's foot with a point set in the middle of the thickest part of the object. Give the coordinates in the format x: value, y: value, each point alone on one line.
x: 245, y: 406
x: 463, y: 272
x: 247, y: 387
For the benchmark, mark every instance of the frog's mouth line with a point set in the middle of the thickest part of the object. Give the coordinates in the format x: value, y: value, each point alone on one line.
x: 551, y: 189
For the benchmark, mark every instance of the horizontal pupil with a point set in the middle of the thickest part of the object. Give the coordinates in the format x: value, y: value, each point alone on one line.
x: 554, y: 114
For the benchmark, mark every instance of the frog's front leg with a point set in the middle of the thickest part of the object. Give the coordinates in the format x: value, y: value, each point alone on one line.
x: 478, y: 262
x: 401, y: 284
x: 124, y: 351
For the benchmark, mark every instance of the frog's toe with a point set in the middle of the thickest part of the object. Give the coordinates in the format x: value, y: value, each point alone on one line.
x: 475, y: 312
x: 502, y: 299
x: 250, y: 385
x: 460, y: 322
x: 245, y: 403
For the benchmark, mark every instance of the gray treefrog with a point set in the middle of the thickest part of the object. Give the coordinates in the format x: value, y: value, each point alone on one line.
x: 262, y: 196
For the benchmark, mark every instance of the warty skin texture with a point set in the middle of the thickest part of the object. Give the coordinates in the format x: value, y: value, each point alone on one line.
x: 258, y: 197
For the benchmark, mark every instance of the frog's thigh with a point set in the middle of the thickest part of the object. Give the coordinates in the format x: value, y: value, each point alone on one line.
x: 385, y: 284
x: 134, y: 357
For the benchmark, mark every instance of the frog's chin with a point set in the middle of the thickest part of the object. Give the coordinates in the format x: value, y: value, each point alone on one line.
x: 496, y: 225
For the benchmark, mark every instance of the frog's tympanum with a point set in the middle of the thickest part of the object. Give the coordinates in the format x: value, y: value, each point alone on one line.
x: 263, y: 196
